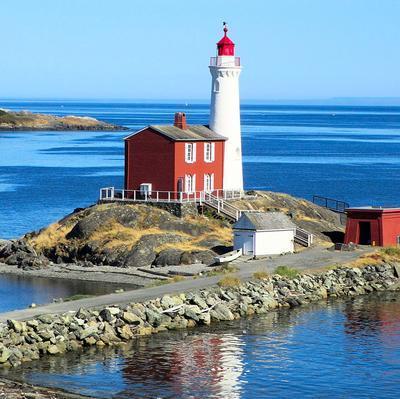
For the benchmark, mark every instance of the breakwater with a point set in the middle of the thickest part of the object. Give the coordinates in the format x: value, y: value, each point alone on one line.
x: 22, y: 341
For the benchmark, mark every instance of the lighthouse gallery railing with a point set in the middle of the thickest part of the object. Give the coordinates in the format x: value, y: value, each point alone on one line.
x: 113, y: 194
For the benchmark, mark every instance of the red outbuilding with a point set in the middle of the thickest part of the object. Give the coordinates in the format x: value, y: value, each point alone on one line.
x: 373, y: 226
x: 174, y: 160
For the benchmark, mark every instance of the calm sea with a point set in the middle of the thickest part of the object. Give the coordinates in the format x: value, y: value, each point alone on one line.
x: 346, y: 349
x: 347, y: 153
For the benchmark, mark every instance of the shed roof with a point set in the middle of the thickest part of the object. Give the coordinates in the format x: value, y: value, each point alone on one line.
x: 192, y: 133
x: 264, y: 221
x: 372, y: 210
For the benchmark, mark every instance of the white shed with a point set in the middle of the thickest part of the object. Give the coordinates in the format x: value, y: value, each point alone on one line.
x: 264, y: 233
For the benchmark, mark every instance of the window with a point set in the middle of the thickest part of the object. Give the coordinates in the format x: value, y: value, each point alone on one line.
x: 209, y: 182
x: 209, y: 152
x: 190, y: 183
x: 216, y: 86
x: 190, y: 152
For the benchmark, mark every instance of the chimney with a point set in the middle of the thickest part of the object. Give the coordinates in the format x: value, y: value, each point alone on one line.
x: 180, y: 120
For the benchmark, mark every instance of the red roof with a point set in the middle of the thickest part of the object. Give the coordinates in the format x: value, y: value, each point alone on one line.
x: 225, y: 45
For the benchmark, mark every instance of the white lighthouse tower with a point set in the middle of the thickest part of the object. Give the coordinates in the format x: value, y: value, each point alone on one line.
x: 225, y: 109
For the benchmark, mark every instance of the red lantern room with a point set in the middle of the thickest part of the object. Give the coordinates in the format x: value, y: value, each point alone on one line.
x: 225, y: 45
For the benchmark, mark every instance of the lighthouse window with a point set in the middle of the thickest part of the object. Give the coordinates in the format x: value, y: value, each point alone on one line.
x: 216, y: 86
x: 209, y: 152
x: 190, y: 152
x: 190, y: 183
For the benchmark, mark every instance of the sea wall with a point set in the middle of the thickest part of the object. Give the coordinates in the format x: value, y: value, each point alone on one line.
x: 22, y: 341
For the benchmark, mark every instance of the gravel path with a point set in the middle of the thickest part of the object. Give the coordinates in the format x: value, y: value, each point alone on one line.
x: 313, y: 258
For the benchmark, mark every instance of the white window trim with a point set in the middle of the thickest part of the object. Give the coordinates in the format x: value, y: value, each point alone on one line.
x: 190, y: 183
x: 211, y: 154
x: 190, y: 152
x: 209, y: 182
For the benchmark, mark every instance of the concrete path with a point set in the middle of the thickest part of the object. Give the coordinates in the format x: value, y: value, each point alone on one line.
x: 313, y: 258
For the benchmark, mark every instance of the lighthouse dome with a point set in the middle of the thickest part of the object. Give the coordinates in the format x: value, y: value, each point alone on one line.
x: 226, y: 46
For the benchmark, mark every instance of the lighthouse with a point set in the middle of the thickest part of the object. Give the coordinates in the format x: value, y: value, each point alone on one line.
x: 225, y: 69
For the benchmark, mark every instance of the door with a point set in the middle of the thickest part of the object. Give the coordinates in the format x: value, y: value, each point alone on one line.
x: 365, y: 233
x: 248, y: 246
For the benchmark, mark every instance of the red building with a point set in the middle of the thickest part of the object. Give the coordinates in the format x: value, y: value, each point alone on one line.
x: 174, y: 160
x: 373, y: 226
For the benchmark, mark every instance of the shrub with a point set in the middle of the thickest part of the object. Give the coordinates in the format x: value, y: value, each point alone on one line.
x: 225, y: 269
x: 391, y: 251
x: 229, y: 281
x: 286, y: 271
x: 261, y: 275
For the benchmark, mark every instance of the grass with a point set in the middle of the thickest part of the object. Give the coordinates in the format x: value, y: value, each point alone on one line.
x: 114, y: 235
x: 225, y: 269
x: 77, y: 297
x: 286, y: 271
x: 261, y: 275
x: 174, y: 279
x: 51, y: 236
x: 393, y: 252
x: 229, y: 281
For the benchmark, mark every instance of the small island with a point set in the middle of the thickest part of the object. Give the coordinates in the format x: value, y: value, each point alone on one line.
x: 28, y: 121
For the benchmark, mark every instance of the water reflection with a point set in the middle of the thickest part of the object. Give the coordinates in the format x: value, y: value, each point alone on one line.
x: 18, y: 292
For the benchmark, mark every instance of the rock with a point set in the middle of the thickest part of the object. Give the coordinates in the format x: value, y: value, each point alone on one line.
x: 192, y: 312
x: 396, y: 269
x: 106, y: 315
x: 199, y: 301
x: 95, y: 219
x: 168, y: 302
x: 131, y: 318
x: 88, y: 331
x: 53, y: 349
x: 168, y: 257
x: 46, y: 318
x: 153, y: 317
x: 4, y: 354
x: 125, y: 332
x: 17, y: 326
x: 144, y: 252
x: 193, y: 257
x: 221, y: 312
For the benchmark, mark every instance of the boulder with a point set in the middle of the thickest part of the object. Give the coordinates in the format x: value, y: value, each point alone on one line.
x: 221, y: 312
x: 169, y: 257
x: 144, y: 252
x: 192, y: 257
x: 98, y: 217
x: 131, y: 318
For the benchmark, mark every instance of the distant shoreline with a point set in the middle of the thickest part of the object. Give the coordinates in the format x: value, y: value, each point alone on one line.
x: 11, y: 121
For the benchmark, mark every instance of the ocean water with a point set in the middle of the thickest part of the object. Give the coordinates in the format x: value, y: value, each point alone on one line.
x: 333, y: 350
x: 348, y: 349
x: 345, y: 152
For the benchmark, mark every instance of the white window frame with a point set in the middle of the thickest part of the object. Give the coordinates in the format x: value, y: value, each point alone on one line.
x: 190, y: 183
x: 190, y: 152
x: 209, y: 152
x: 209, y: 182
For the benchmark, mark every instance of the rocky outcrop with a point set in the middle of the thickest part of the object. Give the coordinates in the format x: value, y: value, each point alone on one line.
x: 138, y: 235
x: 11, y: 121
x: 130, y: 236
x: 19, y: 252
x: 27, y: 340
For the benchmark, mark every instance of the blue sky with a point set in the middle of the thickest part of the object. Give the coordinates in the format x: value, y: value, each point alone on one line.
x: 159, y: 49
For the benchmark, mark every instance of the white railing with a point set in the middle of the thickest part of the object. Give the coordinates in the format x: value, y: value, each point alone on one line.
x: 227, y: 61
x: 221, y: 206
x: 113, y: 194
x: 303, y: 237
